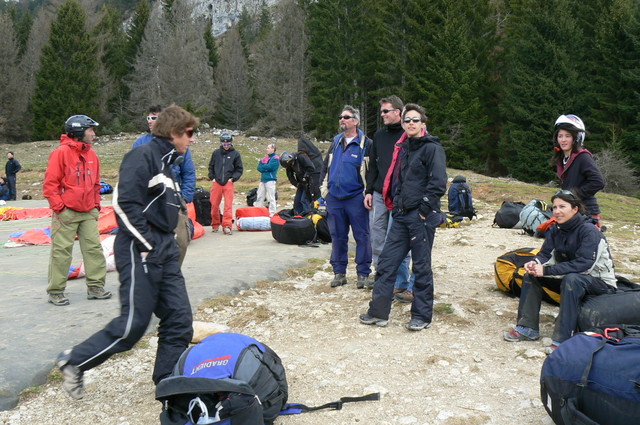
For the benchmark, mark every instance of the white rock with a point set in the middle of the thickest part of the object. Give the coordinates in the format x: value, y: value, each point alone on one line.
x: 407, y: 420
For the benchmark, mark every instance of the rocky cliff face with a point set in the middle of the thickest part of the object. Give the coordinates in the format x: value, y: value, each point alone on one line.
x: 224, y: 13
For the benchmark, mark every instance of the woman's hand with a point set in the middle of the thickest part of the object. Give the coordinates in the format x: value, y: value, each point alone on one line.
x: 534, y: 268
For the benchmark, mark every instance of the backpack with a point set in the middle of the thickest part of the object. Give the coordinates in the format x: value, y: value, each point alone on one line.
x: 622, y: 306
x: 509, y: 274
x: 508, y: 216
x: 289, y: 228
x: 227, y: 376
x: 533, y: 215
x: 202, y: 205
x: 594, y: 378
x: 460, y: 199
x: 252, y: 196
x: 105, y: 188
x: 231, y: 379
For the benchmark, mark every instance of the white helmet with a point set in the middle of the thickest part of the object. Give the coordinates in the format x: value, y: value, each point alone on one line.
x: 572, y: 122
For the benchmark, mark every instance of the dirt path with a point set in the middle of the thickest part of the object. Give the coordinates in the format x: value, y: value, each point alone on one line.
x: 457, y: 372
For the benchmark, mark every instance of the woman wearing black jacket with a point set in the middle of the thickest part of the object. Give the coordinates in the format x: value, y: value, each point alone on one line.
x: 577, y: 254
x: 574, y: 164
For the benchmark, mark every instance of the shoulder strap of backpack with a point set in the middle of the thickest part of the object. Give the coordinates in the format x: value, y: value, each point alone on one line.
x: 295, y: 408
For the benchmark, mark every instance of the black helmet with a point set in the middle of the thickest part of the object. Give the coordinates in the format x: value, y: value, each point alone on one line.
x: 286, y: 159
x: 226, y: 138
x: 77, y: 124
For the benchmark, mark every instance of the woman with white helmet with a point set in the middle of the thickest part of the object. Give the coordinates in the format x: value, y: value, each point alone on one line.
x: 574, y: 164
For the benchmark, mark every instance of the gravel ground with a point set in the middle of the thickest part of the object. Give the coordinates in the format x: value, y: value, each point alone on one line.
x: 459, y: 371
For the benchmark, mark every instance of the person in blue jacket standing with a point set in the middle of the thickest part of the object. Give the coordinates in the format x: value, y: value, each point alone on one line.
x: 268, y: 168
x: 344, y: 170
x: 185, y: 174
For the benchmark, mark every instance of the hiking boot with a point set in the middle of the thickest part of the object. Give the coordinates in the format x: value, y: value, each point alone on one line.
x: 72, y: 384
x: 417, y: 325
x: 365, y: 319
x: 338, y: 280
x: 58, y: 299
x: 517, y: 336
x: 215, y: 229
x: 362, y: 282
x: 226, y: 230
x: 97, y: 293
x: 405, y: 296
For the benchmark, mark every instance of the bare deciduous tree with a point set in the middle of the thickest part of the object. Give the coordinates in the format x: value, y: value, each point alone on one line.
x: 8, y: 76
x: 172, y: 65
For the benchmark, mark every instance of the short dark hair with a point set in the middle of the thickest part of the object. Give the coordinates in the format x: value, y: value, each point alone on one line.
x: 155, y: 109
x: 394, y: 100
x: 571, y: 198
x: 414, y: 107
x: 174, y: 119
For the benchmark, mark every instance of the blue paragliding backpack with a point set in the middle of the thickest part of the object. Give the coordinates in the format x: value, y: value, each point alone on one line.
x: 460, y: 199
x: 593, y: 378
x: 230, y: 379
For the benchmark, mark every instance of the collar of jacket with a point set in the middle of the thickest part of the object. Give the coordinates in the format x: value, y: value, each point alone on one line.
x: 169, y: 152
x: 74, y: 144
x: 395, y: 127
x: 561, y: 168
x: 574, y: 222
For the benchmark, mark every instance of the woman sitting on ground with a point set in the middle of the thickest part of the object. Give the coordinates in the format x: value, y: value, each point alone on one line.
x: 575, y: 256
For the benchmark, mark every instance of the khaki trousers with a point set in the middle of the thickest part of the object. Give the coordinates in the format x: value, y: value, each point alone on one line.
x: 183, y: 235
x: 64, y: 228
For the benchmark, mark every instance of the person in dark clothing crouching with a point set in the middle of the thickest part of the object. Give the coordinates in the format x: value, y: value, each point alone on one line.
x: 147, y: 202
x: 413, y: 186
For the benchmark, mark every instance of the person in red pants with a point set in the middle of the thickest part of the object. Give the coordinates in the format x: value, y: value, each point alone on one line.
x: 225, y: 168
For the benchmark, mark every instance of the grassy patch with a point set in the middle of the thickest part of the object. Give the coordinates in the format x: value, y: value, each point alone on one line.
x: 217, y: 303
x: 29, y: 393
x: 443, y: 308
x: 258, y: 314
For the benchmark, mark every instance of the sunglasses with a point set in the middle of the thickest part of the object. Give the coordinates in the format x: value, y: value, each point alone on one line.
x: 414, y: 119
x: 152, y: 117
x: 345, y: 117
x: 566, y: 192
x: 189, y: 132
x: 386, y: 111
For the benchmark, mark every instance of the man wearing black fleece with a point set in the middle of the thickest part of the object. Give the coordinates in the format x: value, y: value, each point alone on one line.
x: 384, y: 141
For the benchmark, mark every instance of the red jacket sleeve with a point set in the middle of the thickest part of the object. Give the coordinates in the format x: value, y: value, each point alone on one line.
x: 52, y: 178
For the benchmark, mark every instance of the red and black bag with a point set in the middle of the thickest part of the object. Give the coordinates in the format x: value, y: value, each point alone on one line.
x: 289, y: 228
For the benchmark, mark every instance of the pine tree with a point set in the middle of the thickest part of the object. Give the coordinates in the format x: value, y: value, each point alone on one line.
x: 281, y: 75
x: 232, y: 79
x: 9, y: 79
x: 66, y: 82
x: 112, y: 47
x: 542, y: 80
x: 615, y: 69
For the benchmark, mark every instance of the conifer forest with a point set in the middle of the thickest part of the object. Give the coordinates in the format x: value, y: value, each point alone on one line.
x: 493, y: 75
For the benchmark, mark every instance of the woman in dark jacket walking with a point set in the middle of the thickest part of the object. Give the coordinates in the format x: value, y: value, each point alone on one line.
x: 574, y: 164
x: 576, y: 254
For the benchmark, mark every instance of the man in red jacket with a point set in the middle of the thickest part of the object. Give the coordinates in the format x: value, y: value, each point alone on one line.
x: 72, y: 187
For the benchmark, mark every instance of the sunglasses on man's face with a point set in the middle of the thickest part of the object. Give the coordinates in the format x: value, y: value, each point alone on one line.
x: 345, y: 117
x: 386, y: 111
x: 414, y: 119
x: 152, y: 117
x: 189, y: 132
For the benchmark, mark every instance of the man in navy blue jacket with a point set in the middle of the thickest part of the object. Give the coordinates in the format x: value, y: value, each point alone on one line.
x: 344, y: 170
x: 185, y: 174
